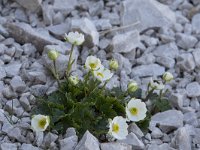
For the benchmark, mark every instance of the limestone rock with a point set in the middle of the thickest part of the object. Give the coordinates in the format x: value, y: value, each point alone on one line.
x: 193, y: 89
x: 115, y: 146
x: 32, y: 5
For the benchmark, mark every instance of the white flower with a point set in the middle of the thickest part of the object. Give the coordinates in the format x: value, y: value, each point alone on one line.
x: 74, y: 80
x: 92, y: 63
x: 167, y: 76
x: 157, y: 85
x: 103, y: 74
x: 118, y: 128
x: 136, y: 110
x: 40, y: 122
x: 75, y: 38
x: 132, y: 86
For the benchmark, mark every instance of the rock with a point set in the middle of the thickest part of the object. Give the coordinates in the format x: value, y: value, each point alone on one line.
x: 149, y: 13
x: 146, y: 59
x: 32, y: 5
x: 17, y: 84
x: 64, y: 6
x: 115, y: 146
x: 24, y: 33
x: 164, y: 146
x: 182, y: 139
x: 87, y: 27
x: 167, y: 120
x: 48, y: 13
x: 29, y: 49
x: 28, y: 147
x: 167, y: 50
x: 15, y: 133
x: 58, y: 18
x: 39, y: 138
x: 193, y: 89
x: 13, y: 69
x: 8, y: 146
x: 195, y: 54
x: 185, y: 41
x: 136, y: 130
x: 166, y: 62
x: 191, y: 118
x: 147, y: 70
x: 125, y: 42
x: 186, y: 62
x: 196, y: 23
x: 176, y: 99
x: 2, y: 73
x: 21, y: 15
x: 49, y: 138
x: 68, y: 143
x: 39, y: 90
x: 3, y: 48
x: 102, y: 24
x: 88, y: 142
x: 96, y: 8
x: 8, y: 93
x: 132, y: 139
x: 156, y: 133
x: 37, y: 77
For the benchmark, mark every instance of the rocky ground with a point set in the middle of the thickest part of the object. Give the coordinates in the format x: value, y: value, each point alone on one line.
x: 155, y: 36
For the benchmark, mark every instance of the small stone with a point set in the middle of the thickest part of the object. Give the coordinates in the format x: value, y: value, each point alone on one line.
x: 58, y: 18
x: 176, y: 100
x: 49, y: 138
x: 32, y: 5
x: 191, y: 119
x: 193, y: 89
x: 148, y: 70
x: 21, y: 15
x: 3, y: 48
x: 88, y: 142
x: 156, y: 133
x: 167, y: 120
x: 37, y: 77
x: 68, y: 143
x: 125, y: 42
x: 115, y: 146
x: 59, y: 30
x: 185, y: 41
x: 136, y: 130
x: 166, y: 62
x: 87, y: 27
x: 10, y: 52
x: 38, y: 90
x: 195, y: 54
x: 17, y: 84
x: 28, y: 147
x: 39, y: 138
x: 186, y: 62
x: 132, y: 139
x: 70, y: 132
x: 102, y: 24
x: 8, y: 93
x: 29, y: 49
x: 146, y: 59
x: 48, y: 14
x: 16, y: 134
x: 8, y: 146
x: 12, y: 69
x: 196, y: 23
x: 96, y: 8
x: 2, y: 73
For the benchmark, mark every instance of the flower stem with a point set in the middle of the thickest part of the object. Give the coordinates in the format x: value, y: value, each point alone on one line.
x: 69, y: 65
x: 56, y: 75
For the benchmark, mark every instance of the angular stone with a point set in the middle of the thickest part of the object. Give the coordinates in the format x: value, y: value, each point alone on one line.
x: 146, y: 59
x: 191, y: 119
x: 147, y: 70
x: 193, y: 89
x: 149, y: 13
x: 96, y: 8
x: 88, y: 142
x: 48, y: 13
x: 115, y: 146
x: 186, y: 62
x: 59, y: 30
x: 2, y: 73
x: 3, y: 48
x: 68, y: 143
x: 176, y: 100
x: 87, y: 27
x: 8, y: 146
x: 185, y: 41
x: 102, y: 24
x: 32, y: 5
x: 28, y: 147
x: 196, y: 54
x: 196, y: 23
x: 125, y: 42
x: 39, y: 138
x: 132, y: 139
x: 24, y: 33
x: 166, y: 61
x: 13, y: 69
x: 25, y: 103
x: 156, y: 133
x: 167, y: 120
x: 37, y: 77
x: 17, y: 84
x: 136, y: 130
x: 70, y: 132
x: 49, y: 138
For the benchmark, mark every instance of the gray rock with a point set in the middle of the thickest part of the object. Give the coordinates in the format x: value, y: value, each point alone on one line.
x: 185, y: 41
x: 196, y: 22
x: 96, y: 8
x: 37, y: 77
x: 115, y: 146
x: 88, y: 142
x: 133, y: 140
x: 49, y: 138
x: 21, y: 15
x: 182, y: 139
x: 38, y: 90
x: 166, y: 62
x: 10, y: 51
x: 186, y: 62
x: 102, y: 24
x: 68, y: 143
x: 156, y: 133
x: 32, y: 5
x: 8, y: 146
x: 146, y: 59
x: 3, y: 48
x: 8, y: 93
x: 3, y: 31
x: 164, y: 146
x: 48, y: 13
x: 15, y: 133
x: 28, y: 147
x: 167, y: 120
x: 124, y: 80
x: 87, y: 27
x: 12, y: 69
x: 17, y: 84
x: 58, y: 18
x: 195, y: 54
x: 23, y: 33
x: 25, y: 103
x: 148, y: 13
x: 39, y: 138
x: 191, y: 118
x: 136, y: 130
x: 193, y: 89
x: 64, y: 6
x: 176, y: 99
x: 62, y: 48
x: 2, y: 73
x: 29, y: 49
x: 125, y: 42
x: 147, y: 70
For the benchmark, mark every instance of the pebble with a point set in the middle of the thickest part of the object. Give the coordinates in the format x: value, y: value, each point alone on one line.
x: 193, y: 89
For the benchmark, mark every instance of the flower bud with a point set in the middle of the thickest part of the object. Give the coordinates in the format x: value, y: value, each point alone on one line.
x: 167, y: 76
x: 157, y: 85
x: 73, y: 80
x: 53, y: 55
x: 132, y: 86
x: 113, y: 64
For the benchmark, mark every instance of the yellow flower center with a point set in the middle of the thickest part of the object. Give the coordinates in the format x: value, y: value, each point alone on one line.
x: 42, y: 123
x: 115, y: 128
x: 133, y: 111
x: 100, y: 74
x: 93, y: 65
